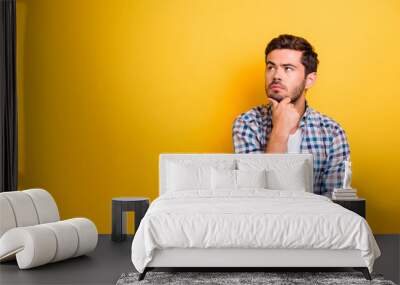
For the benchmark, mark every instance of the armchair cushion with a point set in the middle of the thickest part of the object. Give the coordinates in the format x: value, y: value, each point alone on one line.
x: 31, y: 232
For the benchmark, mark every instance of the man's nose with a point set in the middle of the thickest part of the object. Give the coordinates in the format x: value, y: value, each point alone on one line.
x: 277, y: 75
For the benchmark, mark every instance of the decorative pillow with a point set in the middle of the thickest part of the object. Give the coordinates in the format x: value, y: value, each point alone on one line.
x: 188, y: 177
x: 251, y: 178
x: 283, y: 173
x: 223, y: 179
x: 293, y: 179
x: 236, y: 179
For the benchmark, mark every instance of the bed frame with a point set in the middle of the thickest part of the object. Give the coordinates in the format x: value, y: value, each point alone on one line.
x: 248, y: 259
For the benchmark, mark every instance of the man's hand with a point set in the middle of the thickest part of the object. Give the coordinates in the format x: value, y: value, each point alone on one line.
x: 285, y: 118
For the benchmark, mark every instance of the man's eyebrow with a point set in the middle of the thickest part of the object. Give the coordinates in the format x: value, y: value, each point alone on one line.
x: 289, y: 64
x: 284, y: 65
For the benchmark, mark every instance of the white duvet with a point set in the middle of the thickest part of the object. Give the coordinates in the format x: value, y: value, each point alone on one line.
x: 250, y: 218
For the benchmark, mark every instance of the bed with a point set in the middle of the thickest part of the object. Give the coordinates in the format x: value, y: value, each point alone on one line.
x: 247, y: 211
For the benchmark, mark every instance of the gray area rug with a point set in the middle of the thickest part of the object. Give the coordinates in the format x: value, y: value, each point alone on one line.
x: 225, y: 278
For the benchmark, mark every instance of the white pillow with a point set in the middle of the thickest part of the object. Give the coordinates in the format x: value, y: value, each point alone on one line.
x: 188, y: 177
x: 293, y: 179
x: 251, y: 178
x: 236, y: 179
x: 283, y: 173
x: 223, y: 179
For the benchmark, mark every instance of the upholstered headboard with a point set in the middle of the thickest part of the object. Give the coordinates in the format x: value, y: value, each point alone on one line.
x: 271, y: 160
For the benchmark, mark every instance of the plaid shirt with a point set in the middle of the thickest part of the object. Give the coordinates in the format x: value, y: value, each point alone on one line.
x: 321, y: 136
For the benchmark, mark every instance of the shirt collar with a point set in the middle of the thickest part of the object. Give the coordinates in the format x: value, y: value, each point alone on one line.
x: 306, y: 114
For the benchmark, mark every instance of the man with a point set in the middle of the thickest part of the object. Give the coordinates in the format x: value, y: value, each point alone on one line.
x: 287, y: 124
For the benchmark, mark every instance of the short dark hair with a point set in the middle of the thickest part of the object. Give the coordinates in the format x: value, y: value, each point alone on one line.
x: 309, y: 57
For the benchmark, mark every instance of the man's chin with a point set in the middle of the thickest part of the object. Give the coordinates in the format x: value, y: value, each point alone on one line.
x: 279, y: 98
x: 276, y: 97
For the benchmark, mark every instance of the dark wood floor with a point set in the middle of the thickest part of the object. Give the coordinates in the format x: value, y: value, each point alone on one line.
x: 111, y: 259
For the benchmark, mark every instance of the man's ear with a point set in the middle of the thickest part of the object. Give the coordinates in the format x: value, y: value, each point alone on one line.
x: 310, y: 79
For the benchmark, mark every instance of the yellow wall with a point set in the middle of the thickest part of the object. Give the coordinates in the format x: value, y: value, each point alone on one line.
x: 105, y: 86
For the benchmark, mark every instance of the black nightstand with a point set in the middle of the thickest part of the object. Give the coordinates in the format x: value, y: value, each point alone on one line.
x: 119, y: 208
x: 356, y: 205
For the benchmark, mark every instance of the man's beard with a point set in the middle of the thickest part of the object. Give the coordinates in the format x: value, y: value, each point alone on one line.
x: 296, y: 94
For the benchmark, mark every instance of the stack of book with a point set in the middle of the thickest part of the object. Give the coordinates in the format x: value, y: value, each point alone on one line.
x: 344, y: 194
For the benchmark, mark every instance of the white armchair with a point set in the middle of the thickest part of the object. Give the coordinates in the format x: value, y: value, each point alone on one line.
x: 31, y: 230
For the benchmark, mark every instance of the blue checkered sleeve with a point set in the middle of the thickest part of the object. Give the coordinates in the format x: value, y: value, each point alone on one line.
x: 334, y: 171
x: 244, y: 135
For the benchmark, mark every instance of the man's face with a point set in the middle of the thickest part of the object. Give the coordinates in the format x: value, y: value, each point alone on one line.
x: 284, y: 75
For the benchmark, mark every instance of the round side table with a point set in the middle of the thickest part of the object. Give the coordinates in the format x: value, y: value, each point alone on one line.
x: 120, y: 206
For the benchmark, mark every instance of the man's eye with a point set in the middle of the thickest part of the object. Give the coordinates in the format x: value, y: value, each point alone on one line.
x: 288, y: 68
x: 270, y: 67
